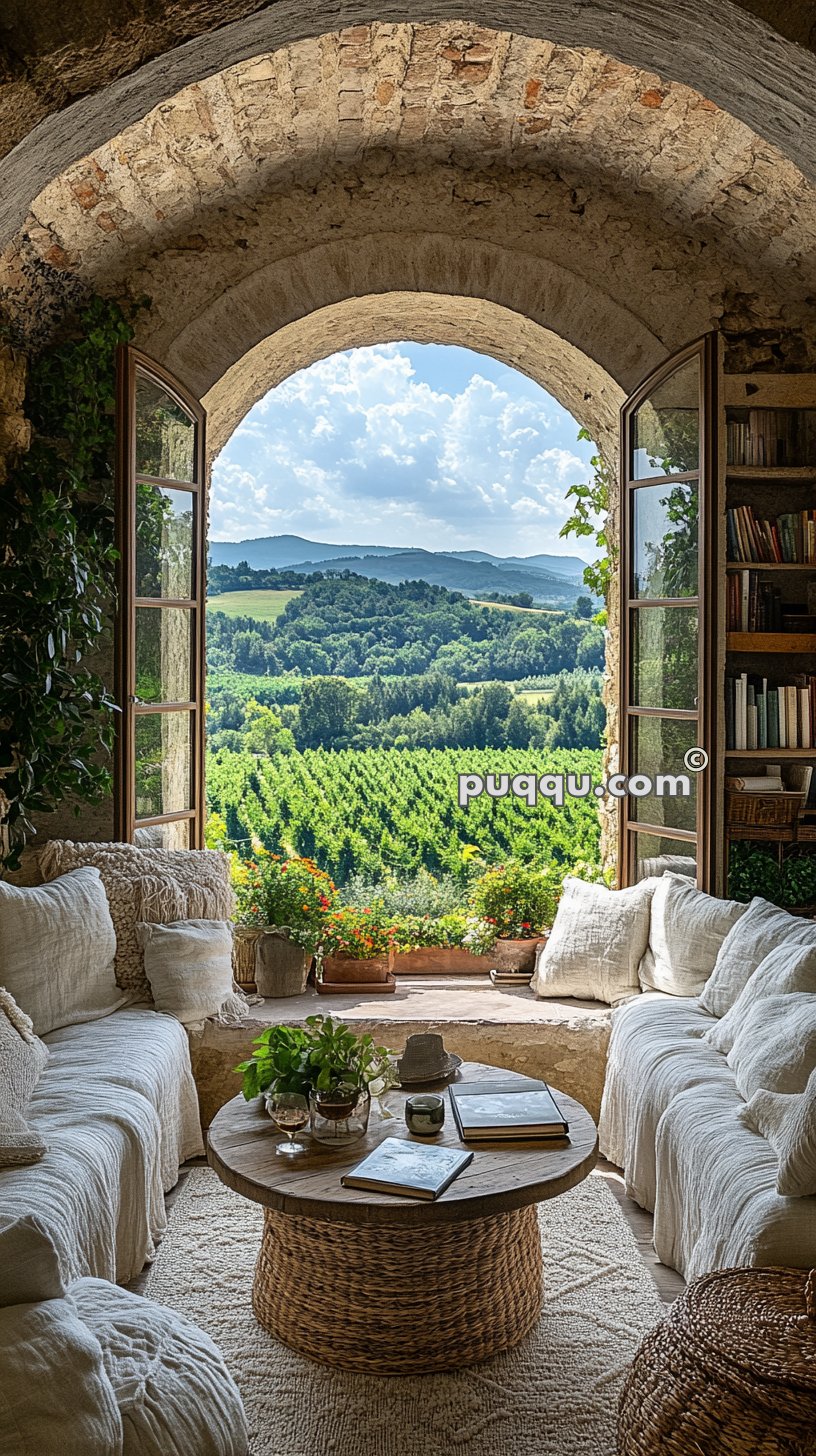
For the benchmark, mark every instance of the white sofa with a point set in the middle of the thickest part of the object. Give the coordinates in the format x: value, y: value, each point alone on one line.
x: 671, y: 1119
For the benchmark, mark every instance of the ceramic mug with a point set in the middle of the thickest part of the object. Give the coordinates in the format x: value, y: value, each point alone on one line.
x: 425, y: 1114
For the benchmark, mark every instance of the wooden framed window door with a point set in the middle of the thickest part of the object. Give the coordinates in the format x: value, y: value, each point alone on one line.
x: 161, y: 536
x: 668, y: 613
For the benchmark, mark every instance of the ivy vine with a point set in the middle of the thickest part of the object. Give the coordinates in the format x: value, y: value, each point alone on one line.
x: 590, y: 510
x: 57, y: 718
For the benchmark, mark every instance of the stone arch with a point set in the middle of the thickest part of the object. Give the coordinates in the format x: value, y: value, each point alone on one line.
x: 118, y: 68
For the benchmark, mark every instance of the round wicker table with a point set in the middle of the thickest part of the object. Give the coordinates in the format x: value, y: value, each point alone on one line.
x: 397, y: 1286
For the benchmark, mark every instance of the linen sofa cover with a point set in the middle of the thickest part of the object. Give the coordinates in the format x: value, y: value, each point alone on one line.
x: 118, y: 1110
x: 717, y: 1204
x: 656, y: 1051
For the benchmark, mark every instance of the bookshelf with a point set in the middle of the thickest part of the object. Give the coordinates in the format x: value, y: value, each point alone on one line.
x: 767, y: 500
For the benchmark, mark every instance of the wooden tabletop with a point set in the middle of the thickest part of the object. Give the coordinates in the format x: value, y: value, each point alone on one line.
x: 502, y: 1176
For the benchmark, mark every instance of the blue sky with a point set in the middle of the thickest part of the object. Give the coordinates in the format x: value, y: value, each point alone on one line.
x: 404, y: 445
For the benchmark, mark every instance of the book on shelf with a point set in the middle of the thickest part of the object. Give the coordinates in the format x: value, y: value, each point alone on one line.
x: 504, y: 1111
x: 759, y: 714
x: 755, y: 783
x: 408, y: 1169
x: 789, y: 538
x: 771, y: 437
x: 752, y: 605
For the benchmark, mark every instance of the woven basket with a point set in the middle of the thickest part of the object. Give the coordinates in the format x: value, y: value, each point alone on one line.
x: 763, y: 811
x: 730, y: 1372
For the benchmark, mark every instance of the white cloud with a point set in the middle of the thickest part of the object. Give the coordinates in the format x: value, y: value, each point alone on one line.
x: 360, y: 448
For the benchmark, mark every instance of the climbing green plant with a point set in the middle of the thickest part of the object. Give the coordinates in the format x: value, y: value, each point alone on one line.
x: 591, y: 505
x: 57, y: 582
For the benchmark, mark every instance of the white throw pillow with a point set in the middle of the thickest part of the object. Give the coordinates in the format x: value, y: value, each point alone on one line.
x: 596, y: 943
x: 22, y: 1058
x: 787, y: 968
x: 776, y: 1045
x: 788, y: 1121
x: 57, y: 945
x: 55, y: 1397
x: 763, y: 927
x: 189, y: 967
x: 686, y: 929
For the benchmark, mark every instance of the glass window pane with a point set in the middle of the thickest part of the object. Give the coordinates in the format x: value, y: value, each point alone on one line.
x: 655, y: 855
x: 163, y: 763
x: 163, y: 836
x: 164, y: 542
x: 165, y: 433
x: 164, y: 654
x: 666, y: 427
x: 657, y: 748
x: 665, y: 657
x: 665, y: 540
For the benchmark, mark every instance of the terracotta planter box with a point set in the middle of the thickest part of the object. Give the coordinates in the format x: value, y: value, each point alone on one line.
x: 441, y: 960
x: 516, y: 955
x: 342, y: 970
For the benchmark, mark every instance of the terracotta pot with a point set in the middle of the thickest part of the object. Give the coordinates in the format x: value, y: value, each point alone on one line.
x: 281, y: 965
x: 344, y: 970
x: 441, y: 960
x: 516, y: 955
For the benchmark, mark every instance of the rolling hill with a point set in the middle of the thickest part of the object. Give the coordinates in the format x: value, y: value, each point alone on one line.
x: 475, y: 573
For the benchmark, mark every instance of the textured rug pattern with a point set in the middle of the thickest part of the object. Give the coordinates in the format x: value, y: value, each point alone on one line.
x: 555, y: 1395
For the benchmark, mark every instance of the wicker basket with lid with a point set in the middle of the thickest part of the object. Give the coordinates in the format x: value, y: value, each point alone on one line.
x: 730, y: 1372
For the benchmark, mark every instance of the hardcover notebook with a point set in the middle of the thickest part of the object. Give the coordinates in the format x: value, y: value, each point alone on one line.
x: 407, y: 1168
x: 498, y: 1111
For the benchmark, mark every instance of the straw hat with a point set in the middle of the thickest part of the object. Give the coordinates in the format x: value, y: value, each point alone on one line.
x: 425, y: 1059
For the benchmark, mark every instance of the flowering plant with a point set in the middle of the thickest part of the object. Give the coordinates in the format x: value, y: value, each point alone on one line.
x: 358, y: 934
x: 416, y: 931
x: 290, y: 894
x: 518, y: 902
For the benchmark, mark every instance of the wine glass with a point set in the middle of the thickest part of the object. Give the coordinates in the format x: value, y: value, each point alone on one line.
x: 289, y: 1112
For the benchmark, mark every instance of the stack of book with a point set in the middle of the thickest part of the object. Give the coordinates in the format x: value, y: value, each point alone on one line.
x: 753, y: 605
x: 520, y: 1110
x: 763, y: 715
x: 771, y: 437
x: 789, y: 538
x: 511, y: 978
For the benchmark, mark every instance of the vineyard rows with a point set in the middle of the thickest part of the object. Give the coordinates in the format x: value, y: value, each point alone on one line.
x: 396, y: 810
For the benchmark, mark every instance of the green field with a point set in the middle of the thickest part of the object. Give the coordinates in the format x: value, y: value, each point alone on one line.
x: 530, y: 611
x: 362, y: 812
x: 265, y: 605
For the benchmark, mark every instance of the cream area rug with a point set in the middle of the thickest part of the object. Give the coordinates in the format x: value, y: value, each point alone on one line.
x: 555, y: 1395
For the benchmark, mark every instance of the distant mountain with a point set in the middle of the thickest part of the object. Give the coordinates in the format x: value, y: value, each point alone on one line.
x: 544, y: 576
x: 472, y: 578
x: 266, y: 553
x: 571, y: 567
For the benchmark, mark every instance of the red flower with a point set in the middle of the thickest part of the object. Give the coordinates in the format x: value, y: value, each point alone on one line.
x: 525, y: 924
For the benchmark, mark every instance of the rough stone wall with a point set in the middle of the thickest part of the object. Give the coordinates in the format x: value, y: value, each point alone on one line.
x: 14, y: 428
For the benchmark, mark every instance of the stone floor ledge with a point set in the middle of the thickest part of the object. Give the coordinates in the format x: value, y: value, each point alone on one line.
x: 563, y: 1041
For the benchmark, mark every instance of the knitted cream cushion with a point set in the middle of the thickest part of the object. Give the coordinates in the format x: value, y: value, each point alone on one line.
x: 22, y: 1058
x: 155, y: 885
x: 788, y: 1121
x: 786, y: 968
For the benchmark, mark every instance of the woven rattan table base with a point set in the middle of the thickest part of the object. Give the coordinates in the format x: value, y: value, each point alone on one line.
x: 399, y: 1299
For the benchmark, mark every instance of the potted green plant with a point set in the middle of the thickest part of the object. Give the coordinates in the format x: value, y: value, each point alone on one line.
x: 326, y: 1062
x: 282, y: 904
x: 513, y: 907
x: 436, y: 945
x: 357, y: 945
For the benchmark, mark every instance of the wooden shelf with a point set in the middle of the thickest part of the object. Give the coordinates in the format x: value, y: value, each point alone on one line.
x: 770, y: 566
x: 787, y: 473
x: 771, y: 641
x: 770, y: 753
